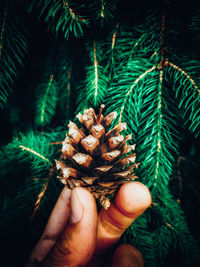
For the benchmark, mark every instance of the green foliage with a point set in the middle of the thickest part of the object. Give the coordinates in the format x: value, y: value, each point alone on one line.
x: 125, y: 44
x: 158, y: 135
x: 94, y: 86
x: 141, y: 98
x: 186, y: 87
x: 30, y: 147
x: 64, y: 81
x: 13, y: 46
x: 195, y: 24
x: 46, y: 101
x: 162, y: 228
x: 123, y: 92
x: 139, y: 235
x: 103, y: 10
x: 61, y: 16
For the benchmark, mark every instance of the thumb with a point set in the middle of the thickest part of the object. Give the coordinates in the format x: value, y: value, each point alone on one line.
x: 130, y: 202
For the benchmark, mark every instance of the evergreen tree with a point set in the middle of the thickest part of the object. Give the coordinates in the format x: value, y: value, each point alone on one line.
x: 142, y: 60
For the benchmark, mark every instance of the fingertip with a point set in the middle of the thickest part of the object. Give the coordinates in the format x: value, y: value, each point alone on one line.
x: 85, y: 197
x: 133, y: 199
x: 65, y: 194
x: 80, y: 199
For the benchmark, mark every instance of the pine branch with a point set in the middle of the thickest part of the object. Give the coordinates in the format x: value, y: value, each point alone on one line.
x: 43, y: 191
x: 159, y: 230
x: 30, y: 202
x: 143, y: 102
x: 64, y: 78
x: 187, y: 92
x: 103, y: 10
x: 81, y: 101
x: 30, y: 148
x: 2, y: 31
x: 124, y: 96
x: 139, y: 235
x: 61, y: 16
x: 126, y: 43
x: 173, y: 221
x: 157, y: 136
x: 13, y: 47
x: 55, y: 134
x: 95, y: 85
x: 194, y: 24
x: 46, y: 101
x: 34, y: 153
x: 110, y: 54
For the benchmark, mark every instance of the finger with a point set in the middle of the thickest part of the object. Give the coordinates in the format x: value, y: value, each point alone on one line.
x: 54, y: 227
x: 127, y: 255
x: 130, y: 202
x: 76, y: 244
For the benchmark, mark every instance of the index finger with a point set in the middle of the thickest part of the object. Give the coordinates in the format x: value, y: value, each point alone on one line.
x: 130, y: 202
x: 53, y: 229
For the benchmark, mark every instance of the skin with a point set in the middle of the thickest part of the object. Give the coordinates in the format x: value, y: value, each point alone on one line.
x: 76, y: 235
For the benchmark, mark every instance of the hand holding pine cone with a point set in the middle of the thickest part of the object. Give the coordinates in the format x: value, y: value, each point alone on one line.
x: 95, y: 157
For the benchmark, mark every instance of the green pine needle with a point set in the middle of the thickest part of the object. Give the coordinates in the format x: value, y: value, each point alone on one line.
x: 103, y: 10
x: 187, y: 92
x: 94, y: 87
x: 61, y: 16
x: 123, y: 95
x: 13, y: 47
x: 31, y: 148
x: 46, y: 102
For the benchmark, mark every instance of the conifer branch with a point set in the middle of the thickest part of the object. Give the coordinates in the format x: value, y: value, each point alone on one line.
x: 71, y: 12
x: 96, y: 72
x: 131, y: 88
x: 69, y: 89
x: 159, y: 127
x: 159, y: 105
x: 112, y: 69
x: 61, y: 16
x: 42, y: 192
x: 187, y: 93
x: 136, y: 44
x: 65, y: 82
x: 103, y: 10
x: 34, y: 152
x: 46, y: 102
x: 194, y: 24
x: 184, y: 73
x: 13, y: 46
x: 2, y: 32
x: 43, y: 108
x: 95, y: 85
x: 114, y: 36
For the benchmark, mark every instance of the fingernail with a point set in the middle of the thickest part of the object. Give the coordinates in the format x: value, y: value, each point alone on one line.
x: 76, y: 207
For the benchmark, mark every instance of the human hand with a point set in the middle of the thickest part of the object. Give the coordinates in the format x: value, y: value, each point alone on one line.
x: 76, y: 235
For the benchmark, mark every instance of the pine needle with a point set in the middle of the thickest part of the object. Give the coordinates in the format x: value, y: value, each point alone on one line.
x: 61, y: 16
x: 13, y: 48
x: 46, y: 102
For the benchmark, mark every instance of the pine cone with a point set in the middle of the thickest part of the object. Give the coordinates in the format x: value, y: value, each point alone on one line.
x: 95, y: 157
